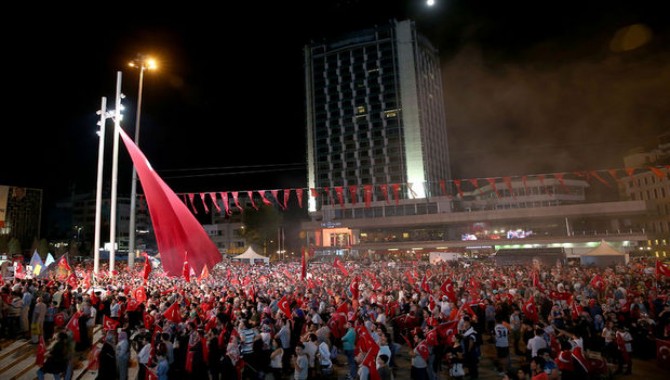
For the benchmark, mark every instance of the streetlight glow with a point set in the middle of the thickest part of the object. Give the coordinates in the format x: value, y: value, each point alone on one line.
x: 143, y: 63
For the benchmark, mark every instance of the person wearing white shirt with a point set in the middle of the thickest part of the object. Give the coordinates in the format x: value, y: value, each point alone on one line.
x: 143, y: 358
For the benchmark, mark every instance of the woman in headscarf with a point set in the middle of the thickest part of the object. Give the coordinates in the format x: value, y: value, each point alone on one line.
x: 122, y: 355
x: 107, y: 358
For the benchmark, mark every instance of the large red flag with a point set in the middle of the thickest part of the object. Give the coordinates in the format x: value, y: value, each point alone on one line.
x: 340, y: 265
x: 176, y: 228
x: 662, y: 269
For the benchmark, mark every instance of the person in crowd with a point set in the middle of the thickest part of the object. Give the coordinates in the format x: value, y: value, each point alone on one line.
x: 348, y: 346
x: 276, y: 359
x: 107, y: 367
x: 122, y: 351
x: 300, y: 363
x: 56, y: 358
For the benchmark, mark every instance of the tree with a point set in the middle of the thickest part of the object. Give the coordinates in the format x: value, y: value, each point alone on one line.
x: 4, y: 244
x: 261, y: 227
x: 14, y: 247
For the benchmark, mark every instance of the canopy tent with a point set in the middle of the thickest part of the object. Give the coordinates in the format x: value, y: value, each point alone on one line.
x: 603, y: 255
x: 251, y: 257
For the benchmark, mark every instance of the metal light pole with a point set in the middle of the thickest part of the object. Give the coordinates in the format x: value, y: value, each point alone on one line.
x: 143, y: 63
x: 115, y: 173
x: 98, y: 193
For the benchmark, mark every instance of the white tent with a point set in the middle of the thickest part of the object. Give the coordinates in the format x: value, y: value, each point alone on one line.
x: 603, y: 255
x: 251, y: 257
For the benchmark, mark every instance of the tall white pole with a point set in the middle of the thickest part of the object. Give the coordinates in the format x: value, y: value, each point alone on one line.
x: 98, y: 193
x: 115, y: 172
x: 133, y: 186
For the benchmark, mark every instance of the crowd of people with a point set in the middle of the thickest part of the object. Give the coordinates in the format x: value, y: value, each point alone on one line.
x: 284, y: 321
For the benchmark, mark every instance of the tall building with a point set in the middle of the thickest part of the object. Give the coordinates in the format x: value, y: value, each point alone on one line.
x: 378, y: 166
x: 375, y: 116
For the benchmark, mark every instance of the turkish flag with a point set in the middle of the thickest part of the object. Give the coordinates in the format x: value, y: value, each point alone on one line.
x: 423, y: 350
x: 186, y: 270
x: 337, y: 263
x: 140, y: 294
x: 147, y: 267
x: 336, y: 324
x: 73, y: 326
x: 172, y: 313
x: 41, y: 352
x: 431, y: 337
x: 364, y: 339
x: 447, y: 331
x: 662, y: 269
x: 370, y: 361
x: 285, y: 307
x: 303, y: 265
x: 447, y: 289
x: 598, y: 283
x: 424, y: 284
x: 59, y: 319
x: 132, y: 304
x: 148, y: 320
x: 663, y: 353
x: 72, y: 280
x: 109, y: 323
x: 530, y: 310
x: 353, y: 288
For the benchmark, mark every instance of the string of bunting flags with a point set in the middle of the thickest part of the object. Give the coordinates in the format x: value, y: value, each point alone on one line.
x: 456, y: 188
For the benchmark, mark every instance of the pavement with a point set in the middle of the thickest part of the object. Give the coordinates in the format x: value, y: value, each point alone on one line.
x: 17, y: 358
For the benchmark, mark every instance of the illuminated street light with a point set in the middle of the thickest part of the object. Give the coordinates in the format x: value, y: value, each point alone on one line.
x: 141, y: 62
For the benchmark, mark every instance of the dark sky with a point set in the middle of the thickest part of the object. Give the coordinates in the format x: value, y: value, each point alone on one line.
x: 530, y: 86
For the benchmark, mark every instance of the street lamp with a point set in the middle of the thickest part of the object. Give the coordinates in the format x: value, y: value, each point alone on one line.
x: 141, y: 62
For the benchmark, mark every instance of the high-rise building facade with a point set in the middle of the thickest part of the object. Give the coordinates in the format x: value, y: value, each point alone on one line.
x: 375, y: 116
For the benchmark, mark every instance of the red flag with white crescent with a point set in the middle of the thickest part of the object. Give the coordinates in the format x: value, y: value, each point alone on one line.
x: 109, y: 323
x: 662, y: 269
x: 337, y: 263
x: 285, y: 307
x: 41, y: 352
x: 663, y: 353
x: 172, y: 313
x: 423, y: 350
x: 73, y: 325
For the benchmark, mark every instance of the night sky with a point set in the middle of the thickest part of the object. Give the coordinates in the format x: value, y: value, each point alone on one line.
x: 530, y: 86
